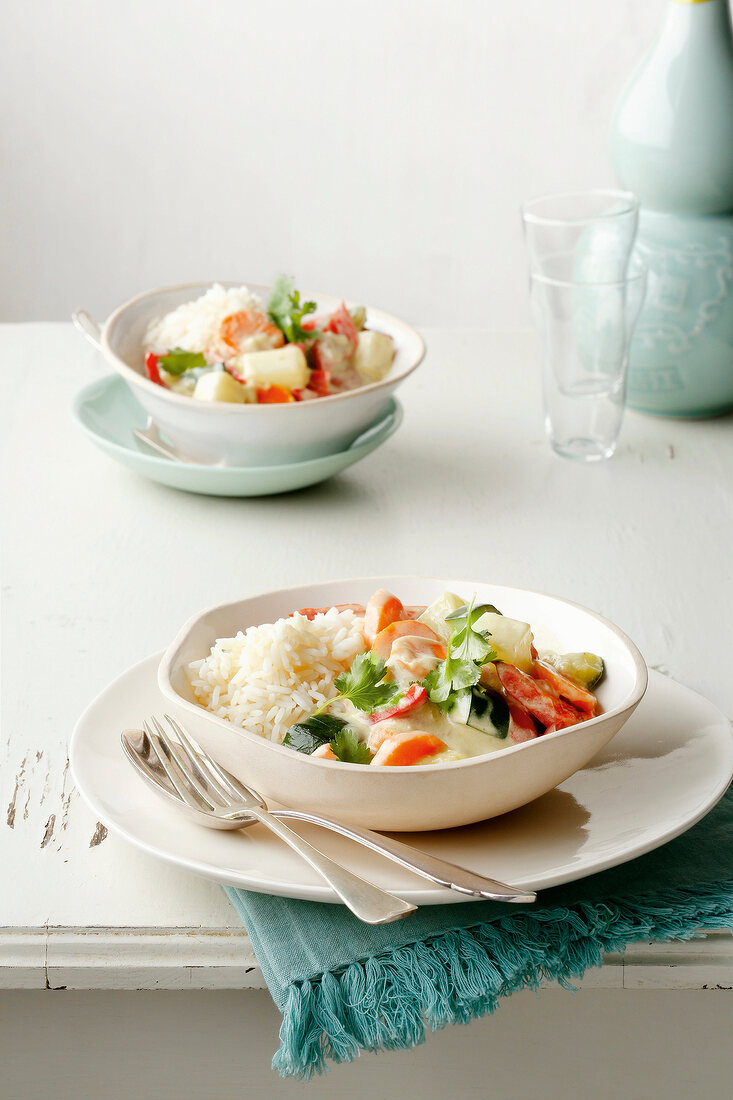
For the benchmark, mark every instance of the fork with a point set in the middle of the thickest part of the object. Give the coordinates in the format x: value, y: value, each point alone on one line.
x: 204, y: 787
x: 143, y: 754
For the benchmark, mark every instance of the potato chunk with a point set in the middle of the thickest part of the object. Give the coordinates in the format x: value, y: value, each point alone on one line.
x: 220, y: 386
x: 373, y: 356
x: 280, y: 367
x: 510, y: 639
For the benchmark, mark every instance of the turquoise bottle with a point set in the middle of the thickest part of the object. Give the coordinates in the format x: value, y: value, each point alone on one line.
x: 672, y: 144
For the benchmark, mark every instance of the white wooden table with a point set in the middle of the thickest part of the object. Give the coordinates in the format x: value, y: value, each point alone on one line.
x: 99, y: 568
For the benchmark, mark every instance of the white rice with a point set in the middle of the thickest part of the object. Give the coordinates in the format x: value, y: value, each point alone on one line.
x: 270, y: 676
x: 195, y: 325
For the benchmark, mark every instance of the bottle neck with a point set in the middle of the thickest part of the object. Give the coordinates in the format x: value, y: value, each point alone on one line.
x: 698, y: 19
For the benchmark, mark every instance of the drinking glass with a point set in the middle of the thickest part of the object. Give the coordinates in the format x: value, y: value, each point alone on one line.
x: 586, y: 294
x: 586, y: 328
x: 598, y: 226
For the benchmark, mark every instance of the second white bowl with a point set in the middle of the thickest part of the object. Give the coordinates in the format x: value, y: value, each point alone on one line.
x: 248, y: 435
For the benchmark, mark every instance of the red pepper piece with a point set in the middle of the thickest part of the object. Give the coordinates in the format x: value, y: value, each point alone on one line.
x: 523, y: 689
x: 521, y: 724
x: 573, y: 693
x: 311, y: 612
x: 151, y: 366
x: 413, y: 698
x: 319, y: 382
x: 339, y: 322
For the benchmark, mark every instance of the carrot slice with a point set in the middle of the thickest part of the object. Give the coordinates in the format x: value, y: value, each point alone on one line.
x: 324, y: 752
x: 382, y: 645
x: 274, y: 395
x: 382, y: 609
x: 407, y: 748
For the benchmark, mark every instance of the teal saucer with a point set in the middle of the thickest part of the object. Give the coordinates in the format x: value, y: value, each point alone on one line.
x: 107, y: 411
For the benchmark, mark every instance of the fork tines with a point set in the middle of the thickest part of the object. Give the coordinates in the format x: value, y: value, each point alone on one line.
x: 197, y: 779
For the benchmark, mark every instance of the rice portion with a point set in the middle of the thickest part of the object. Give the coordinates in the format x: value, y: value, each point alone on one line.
x: 270, y: 676
x: 194, y: 325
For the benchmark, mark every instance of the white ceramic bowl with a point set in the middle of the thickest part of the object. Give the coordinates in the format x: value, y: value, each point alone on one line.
x: 248, y: 435
x: 423, y: 796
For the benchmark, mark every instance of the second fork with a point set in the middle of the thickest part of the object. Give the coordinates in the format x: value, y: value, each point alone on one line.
x: 202, y: 785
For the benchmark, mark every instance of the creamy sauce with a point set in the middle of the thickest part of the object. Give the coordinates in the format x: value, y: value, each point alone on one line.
x: 462, y: 741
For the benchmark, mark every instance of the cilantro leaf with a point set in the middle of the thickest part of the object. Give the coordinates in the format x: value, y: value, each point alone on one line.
x: 178, y: 361
x: 286, y: 310
x: 439, y: 687
x: 364, y: 684
x: 468, y: 649
x: 348, y: 748
x: 306, y: 736
x: 463, y: 673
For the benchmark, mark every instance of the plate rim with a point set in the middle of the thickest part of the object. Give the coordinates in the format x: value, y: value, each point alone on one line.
x: 420, y: 895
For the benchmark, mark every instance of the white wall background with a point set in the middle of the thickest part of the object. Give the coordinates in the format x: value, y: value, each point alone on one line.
x: 377, y: 150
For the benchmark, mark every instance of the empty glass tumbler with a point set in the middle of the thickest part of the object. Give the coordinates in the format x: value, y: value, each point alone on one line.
x: 586, y: 331
x: 599, y: 227
x: 586, y: 294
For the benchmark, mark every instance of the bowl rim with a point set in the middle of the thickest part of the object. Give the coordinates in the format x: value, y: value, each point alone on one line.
x: 229, y: 408
x: 628, y: 704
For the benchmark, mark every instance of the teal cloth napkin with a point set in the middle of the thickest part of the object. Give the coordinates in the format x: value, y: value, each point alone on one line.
x: 343, y: 986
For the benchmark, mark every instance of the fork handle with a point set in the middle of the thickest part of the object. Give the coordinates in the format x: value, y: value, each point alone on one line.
x: 437, y: 870
x: 366, y: 901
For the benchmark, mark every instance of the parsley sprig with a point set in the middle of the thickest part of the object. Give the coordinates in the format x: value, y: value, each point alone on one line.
x: 325, y: 729
x: 286, y: 310
x: 348, y: 748
x: 178, y: 361
x: 363, y: 685
x: 468, y: 649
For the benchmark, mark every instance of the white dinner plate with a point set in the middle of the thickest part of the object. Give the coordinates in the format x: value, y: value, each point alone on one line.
x: 668, y: 766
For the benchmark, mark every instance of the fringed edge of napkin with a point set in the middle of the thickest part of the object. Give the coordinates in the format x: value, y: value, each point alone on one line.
x: 387, y: 1001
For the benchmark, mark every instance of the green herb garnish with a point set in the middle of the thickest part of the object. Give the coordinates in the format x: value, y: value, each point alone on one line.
x: 348, y: 748
x: 468, y: 649
x: 310, y: 734
x: 363, y: 685
x: 286, y: 310
x: 178, y: 361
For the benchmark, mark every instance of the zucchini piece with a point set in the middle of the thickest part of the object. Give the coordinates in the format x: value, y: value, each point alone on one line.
x: 308, y: 735
x: 585, y: 669
x: 489, y: 713
x: 460, y: 712
x: 483, y: 710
